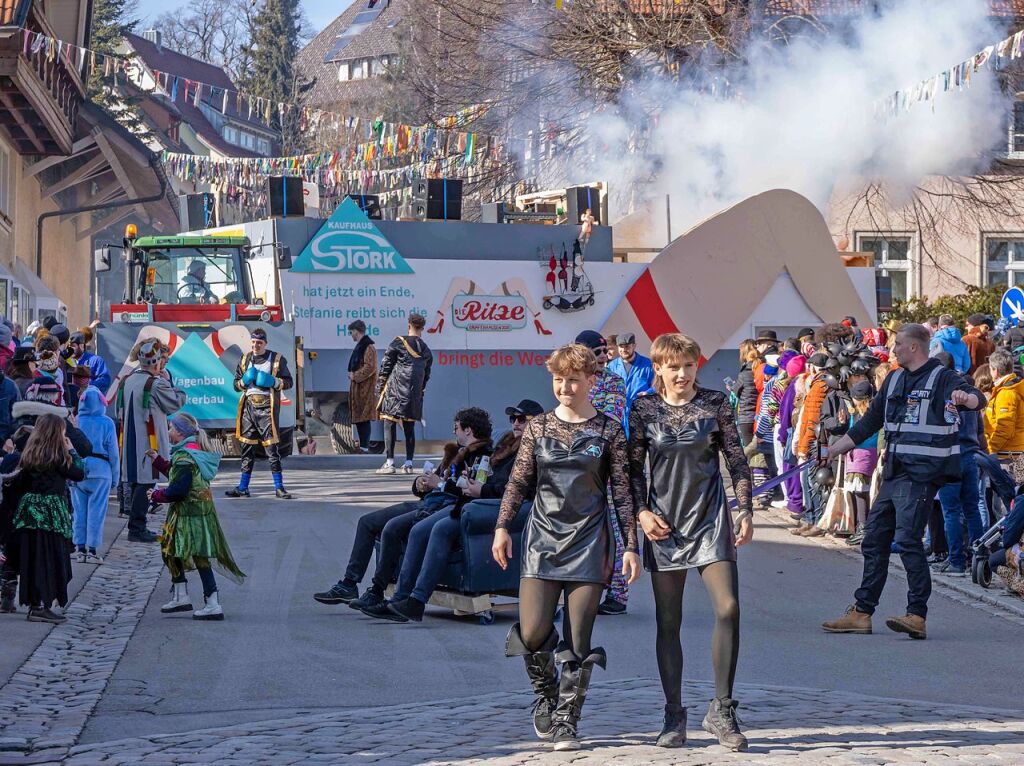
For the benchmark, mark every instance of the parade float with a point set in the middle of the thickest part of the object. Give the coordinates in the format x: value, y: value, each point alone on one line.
x: 497, y: 302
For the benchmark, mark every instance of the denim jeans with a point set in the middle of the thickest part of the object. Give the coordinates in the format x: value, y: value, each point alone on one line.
x: 900, y: 513
x: 426, y: 555
x: 369, y: 528
x: 962, y: 498
x: 89, y: 499
x: 811, y: 501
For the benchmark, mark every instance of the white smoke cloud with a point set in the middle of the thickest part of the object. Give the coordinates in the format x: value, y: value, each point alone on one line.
x: 806, y: 117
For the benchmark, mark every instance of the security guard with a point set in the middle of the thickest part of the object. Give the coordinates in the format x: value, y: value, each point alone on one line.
x: 261, y: 376
x: 919, y: 406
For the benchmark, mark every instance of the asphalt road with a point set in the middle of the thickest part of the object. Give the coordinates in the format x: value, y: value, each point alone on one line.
x: 280, y: 653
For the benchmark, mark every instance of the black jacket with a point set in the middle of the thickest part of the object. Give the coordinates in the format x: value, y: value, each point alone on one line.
x: 404, y: 373
x: 746, y: 395
x: 835, y: 415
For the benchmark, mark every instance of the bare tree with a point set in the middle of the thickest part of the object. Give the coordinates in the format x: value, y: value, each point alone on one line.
x: 217, y: 31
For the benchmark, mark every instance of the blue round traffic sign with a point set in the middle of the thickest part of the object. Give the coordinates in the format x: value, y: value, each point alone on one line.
x: 1012, y: 305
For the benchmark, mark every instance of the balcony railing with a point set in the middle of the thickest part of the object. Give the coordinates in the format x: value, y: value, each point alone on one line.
x: 39, y: 97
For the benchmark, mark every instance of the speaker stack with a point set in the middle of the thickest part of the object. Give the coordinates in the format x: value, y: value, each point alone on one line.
x: 369, y: 204
x: 284, y: 195
x: 437, y: 199
x: 578, y: 199
x: 197, y: 211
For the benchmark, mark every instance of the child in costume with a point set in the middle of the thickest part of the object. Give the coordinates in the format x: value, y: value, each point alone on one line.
x: 192, y: 537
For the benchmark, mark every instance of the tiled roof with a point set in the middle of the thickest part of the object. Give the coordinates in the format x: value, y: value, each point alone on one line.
x: 376, y: 40
x: 164, y: 59
x: 1002, y: 8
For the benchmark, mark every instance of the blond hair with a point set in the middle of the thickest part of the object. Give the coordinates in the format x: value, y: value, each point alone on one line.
x: 672, y: 347
x: 570, y: 358
x: 748, y: 351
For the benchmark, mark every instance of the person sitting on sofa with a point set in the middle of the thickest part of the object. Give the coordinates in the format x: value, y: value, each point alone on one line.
x: 391, y: 525
x: 432, y: 539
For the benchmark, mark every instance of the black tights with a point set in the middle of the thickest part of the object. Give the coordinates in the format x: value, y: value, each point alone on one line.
x: 538, y: 603
x: 721, y: 579
x: 177, y: 569
x: 391, y: 432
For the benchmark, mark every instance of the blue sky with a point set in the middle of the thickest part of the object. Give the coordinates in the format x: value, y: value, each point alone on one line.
x: 320, y: 12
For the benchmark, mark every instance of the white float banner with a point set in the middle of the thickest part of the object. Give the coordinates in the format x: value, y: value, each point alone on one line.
x: 467, y: 304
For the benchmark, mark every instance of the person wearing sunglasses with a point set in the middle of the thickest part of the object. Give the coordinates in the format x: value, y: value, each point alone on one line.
x: 609, y: 396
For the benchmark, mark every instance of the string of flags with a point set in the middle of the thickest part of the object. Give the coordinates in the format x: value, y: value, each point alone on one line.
x: 956, y: 77
x: 245, y: 177
x: 241, y: 103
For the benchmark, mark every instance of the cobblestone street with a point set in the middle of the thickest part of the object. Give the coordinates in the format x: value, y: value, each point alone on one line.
x: 284, y: 680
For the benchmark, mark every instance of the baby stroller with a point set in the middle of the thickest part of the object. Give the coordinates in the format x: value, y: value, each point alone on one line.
x: 1003, y: 534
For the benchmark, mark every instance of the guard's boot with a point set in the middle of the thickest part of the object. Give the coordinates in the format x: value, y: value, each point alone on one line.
x: 721, y: 722
x: 911, y: 624
x: 540, y: 667
x: 180, y: 602
x: 673, y: 733
x: 852, y: 621
x: 8, y: 592
x: 572, y: 693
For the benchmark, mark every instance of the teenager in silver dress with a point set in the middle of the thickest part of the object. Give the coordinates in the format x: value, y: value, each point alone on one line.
x: 566, y: 460
x: 683, y: 431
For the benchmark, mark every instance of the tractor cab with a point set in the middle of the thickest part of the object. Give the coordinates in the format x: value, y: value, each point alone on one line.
x: 186, y: 272
x: 184, y: 278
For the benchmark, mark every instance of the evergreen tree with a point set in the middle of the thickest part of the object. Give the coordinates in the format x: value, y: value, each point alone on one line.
x: 111, y: 21
x: 272, y: 73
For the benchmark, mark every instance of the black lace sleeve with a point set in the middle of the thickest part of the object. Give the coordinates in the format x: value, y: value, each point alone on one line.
x: 735, y: 459
x: 638, y: 456
x: 622, y: 491
x: 522, y: 481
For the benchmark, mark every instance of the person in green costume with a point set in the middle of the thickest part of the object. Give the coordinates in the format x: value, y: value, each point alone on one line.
x: 192, y: 537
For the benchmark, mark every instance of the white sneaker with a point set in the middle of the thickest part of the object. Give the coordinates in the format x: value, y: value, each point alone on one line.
x: 80, y: 557
x: 212, y: 610
x: 780, y: 504
x: 387, y: 468
x: 180, y: 602
x: 93, y: 558
x: 407, y: 467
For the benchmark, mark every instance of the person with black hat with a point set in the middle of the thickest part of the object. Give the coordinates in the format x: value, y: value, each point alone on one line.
x: 432, y: 539
x: 632, y: 367
x: 261, y: 376
x: 767, y: 342
x: 609, y: 396
x: 23, y: 368
x: 83, y: 357
x: 144, y: 400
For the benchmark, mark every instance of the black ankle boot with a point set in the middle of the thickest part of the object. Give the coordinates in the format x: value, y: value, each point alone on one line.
x: 673, y: 733
x: 540, y: 667
x: 572, y: 693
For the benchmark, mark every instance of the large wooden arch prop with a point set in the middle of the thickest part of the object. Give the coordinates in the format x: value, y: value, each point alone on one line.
x: 708, y: 282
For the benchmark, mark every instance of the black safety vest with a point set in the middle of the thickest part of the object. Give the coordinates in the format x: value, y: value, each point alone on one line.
x: 922, y: 430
